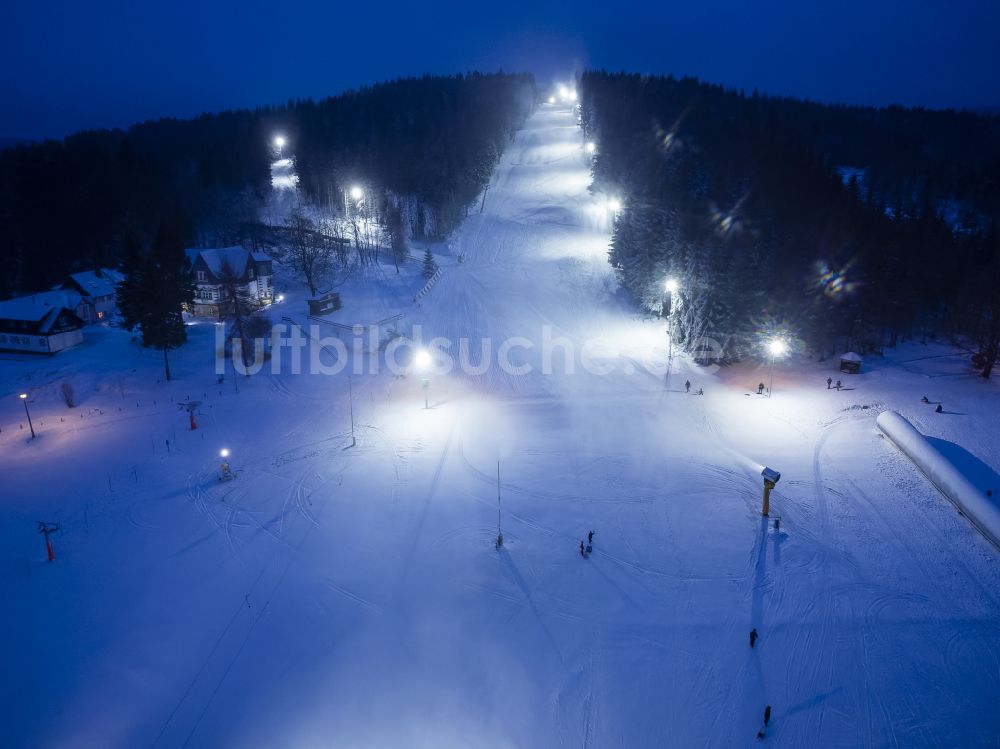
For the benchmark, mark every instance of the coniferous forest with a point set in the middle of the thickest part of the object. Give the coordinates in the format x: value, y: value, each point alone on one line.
x: 844, y: 227
x: 77, y: 203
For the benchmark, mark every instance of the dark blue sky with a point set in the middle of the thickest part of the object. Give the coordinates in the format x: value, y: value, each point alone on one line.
x: 73, y: 65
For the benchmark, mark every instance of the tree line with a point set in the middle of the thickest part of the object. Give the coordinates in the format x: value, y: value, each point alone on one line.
x: 429, y: 143
x: 844, y: 227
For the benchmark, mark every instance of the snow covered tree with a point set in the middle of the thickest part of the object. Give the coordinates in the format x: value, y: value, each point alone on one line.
x: 430, y: 267
x: 307, y: 252
x: 237, y: 307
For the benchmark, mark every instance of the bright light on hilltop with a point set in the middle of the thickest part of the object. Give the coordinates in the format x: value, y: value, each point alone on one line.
x: 357, y: 192
x: 777, y: 347
x: 279, y: 141
x: 671, y: 285
x: 614, y: 205
x: 591, y: 147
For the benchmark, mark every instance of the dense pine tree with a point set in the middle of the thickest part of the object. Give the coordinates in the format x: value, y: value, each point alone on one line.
x: 157, y: 285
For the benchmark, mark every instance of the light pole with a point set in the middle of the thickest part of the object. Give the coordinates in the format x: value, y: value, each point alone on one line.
x: 279, y: 143
x: 499, y: 531
x: 776, y: 347
x: 423, y: 360
x: 24, y: 400
x: 350, y: 387
x: 671, y: 286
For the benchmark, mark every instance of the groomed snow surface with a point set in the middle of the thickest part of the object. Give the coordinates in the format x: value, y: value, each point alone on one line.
x: 352, y: 596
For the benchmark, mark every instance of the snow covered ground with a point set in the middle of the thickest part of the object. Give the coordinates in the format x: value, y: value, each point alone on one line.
x: 352, y: 596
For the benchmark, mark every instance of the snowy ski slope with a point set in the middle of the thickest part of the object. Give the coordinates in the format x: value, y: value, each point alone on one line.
x: 352, y: 596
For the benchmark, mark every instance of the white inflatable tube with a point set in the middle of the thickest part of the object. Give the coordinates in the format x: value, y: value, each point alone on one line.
x: 974, y: 504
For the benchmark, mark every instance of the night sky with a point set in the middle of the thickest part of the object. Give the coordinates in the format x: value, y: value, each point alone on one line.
x: 74, y: 65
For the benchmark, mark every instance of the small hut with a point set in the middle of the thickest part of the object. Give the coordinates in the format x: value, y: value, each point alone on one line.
x: 850, y: 363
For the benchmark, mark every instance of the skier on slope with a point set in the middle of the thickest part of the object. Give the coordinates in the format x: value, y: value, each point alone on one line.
x: 925, y: 399
x: 687, y: 386
x: 760, y: 389
x: 590, y: 537
x: 753, y: 637
x: 581, y: 548
x: 938, y: 409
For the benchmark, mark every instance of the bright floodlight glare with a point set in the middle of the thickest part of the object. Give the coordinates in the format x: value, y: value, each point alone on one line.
x: 279, y: 141
x: 571, y: 96
x: 357, y: 192
x: 23, y: 396
x: 422, y: 359
x: 224, y: 452
x: 552, y: 100
x: 671, y: 285
x: 614, y: 205
x: 591, y: 147
x: 777, y: 347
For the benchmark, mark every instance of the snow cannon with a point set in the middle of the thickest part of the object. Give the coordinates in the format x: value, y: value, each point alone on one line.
x: 771, y: 478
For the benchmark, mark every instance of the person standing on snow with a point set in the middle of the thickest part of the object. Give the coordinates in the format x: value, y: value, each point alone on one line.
x: 838, y: 384
x: 590, y: 537
x: 687, y: 386
x: 829, y: 382
x: 760, y: 389
x: 753, y: 637
x: 581, y: 548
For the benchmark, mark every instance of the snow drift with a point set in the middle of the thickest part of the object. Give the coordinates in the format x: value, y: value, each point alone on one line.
x: 951, y: 482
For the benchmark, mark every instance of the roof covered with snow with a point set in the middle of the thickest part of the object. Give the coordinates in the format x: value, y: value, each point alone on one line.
x: 43, y: 307
x: 850, y: 356
x: 236, y: 258
x: 95, y: 283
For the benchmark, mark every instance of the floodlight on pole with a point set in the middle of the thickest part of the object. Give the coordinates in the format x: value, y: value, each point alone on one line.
x: 423, y: 360
x: 670, y: 286
x: 24, y: 400
x: 279, y: 143
x: 357, y: 193
x: 591, y: 147
x: 776, y: 347
x: 614, y: 205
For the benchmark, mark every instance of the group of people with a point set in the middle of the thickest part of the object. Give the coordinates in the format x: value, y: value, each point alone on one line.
x: 937, y: 410
x: 830, y: 384
x: 584, y: 550
x: 687, y: 388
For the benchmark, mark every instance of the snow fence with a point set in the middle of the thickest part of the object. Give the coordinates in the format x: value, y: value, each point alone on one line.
x: 943, y: 474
